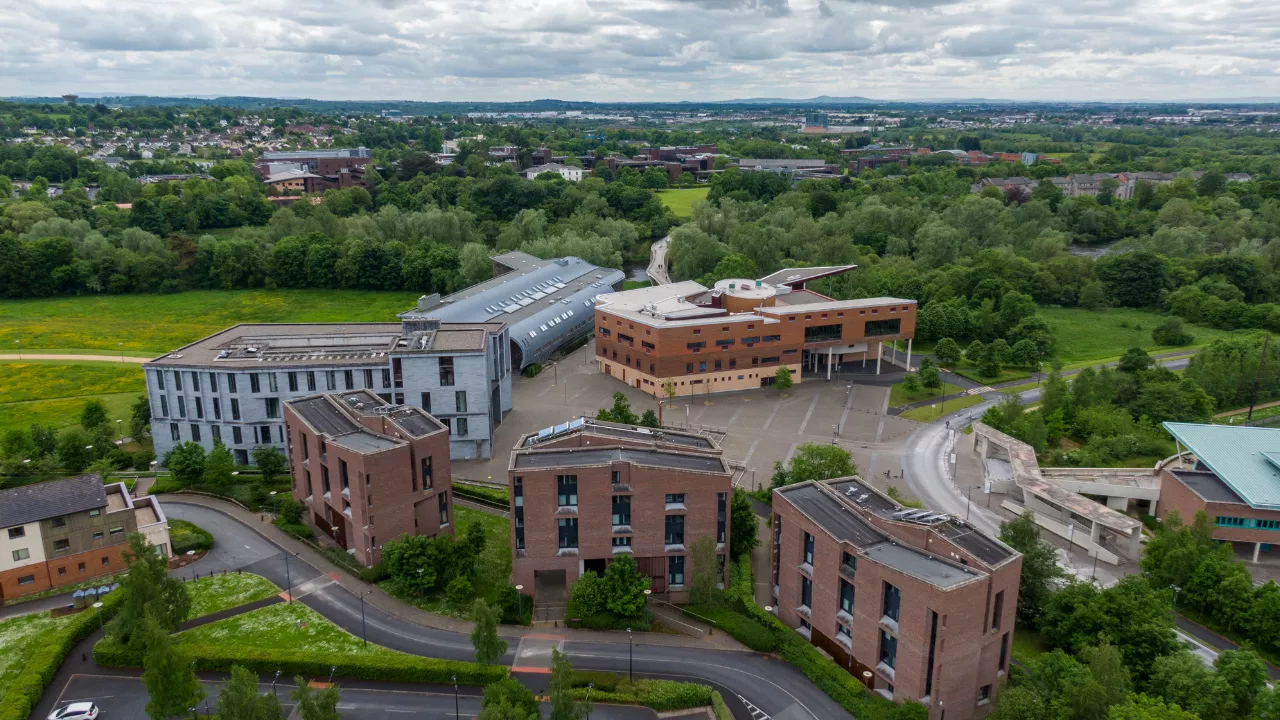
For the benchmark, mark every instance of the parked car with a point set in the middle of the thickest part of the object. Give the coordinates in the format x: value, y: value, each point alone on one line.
x: 75, y: 711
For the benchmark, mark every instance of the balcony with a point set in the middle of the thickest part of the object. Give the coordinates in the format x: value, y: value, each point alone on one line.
x: 567, y: 510
x: 622, y: 529
x: 889, y: 624
x: 567, y: 552
x: 676, y: 547
x: 848, y: 572
x: 622, y: 549
x: 346, y: 493
x: 804, y: 611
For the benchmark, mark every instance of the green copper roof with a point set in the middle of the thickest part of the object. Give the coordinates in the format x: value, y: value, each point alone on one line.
x: 1247, y: 459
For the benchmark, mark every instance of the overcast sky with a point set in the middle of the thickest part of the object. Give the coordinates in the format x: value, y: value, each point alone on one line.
x: 618, y: 50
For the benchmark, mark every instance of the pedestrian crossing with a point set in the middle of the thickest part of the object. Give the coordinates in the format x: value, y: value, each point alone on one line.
x: 979, y: 390
x: 756, y: 713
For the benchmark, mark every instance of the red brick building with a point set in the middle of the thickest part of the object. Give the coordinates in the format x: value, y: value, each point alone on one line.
x: 584, y: 492
x: 368, y: 471
x: 735, y: 336
x: 915, y: 604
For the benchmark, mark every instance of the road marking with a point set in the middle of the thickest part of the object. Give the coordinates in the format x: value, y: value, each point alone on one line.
x: 809, y: 414
x: 756, y: 712
x: 776, y: 404
x: 979, y: 390
x: 750, y: 451
x: 733, y: 419
x: 790, y: 452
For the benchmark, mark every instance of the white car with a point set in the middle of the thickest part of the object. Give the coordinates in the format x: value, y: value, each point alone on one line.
x: 75, y: 711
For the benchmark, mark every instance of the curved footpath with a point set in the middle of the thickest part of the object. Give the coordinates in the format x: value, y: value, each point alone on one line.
x: 246, y: 541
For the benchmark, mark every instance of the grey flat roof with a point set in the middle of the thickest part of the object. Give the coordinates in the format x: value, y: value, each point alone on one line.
x: 1208, y: 486
x: 980, y: 545
x: 918, y: 565
x: 364, y: 441
x: 323, y: 416
x: 41, y: 501
x: 570, y: 457
x: 863, y: 495
x: 831, y: 515
x: 659, y: 436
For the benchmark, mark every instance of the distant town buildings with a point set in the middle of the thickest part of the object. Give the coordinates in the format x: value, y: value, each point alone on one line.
x: 1126, y: 183
x: 568, y: 172
x: 314, y: 170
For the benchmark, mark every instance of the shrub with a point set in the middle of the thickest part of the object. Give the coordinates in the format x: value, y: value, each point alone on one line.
x: 532, y: 370
x: 483, y: 494
x: 606, y: 620
x: 300, y: 531
x: 742, y: 628
x: 659, y: 695
x: 186, y: 536
x: 586, y: 596
x: 27, y: 687
x: 1171, y: 333
x: 460, y: 592
x: 387, y: 668
x: 719, y: 708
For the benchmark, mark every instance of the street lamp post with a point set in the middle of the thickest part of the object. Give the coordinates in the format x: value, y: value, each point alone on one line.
x: 969, y: 504
x: 589, y: 686
x: 98, y: 606
x: 456, y: 712
x: 332, y: 670
x: 630, y: 659
x: 1175, y: 590
x: 364, y: 632
x: 288, y: 578
x: 19, y: 344
x: 120, y: 431
x: 273, y: 686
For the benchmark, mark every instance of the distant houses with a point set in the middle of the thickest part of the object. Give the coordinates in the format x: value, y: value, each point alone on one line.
x: 1091, y: 184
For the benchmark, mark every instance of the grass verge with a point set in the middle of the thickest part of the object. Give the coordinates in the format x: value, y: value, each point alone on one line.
x: 1097, y: 335
x: 216, y: 593
x: 681, y: 200
x: 635, y: 284
x: 62, y: 413
x: 297, y: 641
x: 1028, y: 645
x: 898, y: 394
x: 929, y: 413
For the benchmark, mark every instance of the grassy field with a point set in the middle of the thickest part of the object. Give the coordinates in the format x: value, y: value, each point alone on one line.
x: 1087, y: 335
x: 50, y: 379
x: 681, y: 201
x: 155, y: 324
x: 1028, y: 645
x: 929, y: 413
x: 898, y: 394
x: 19, y: 638
x: 219, y: 592
x: 635, y: 284
x: 283, y: 627
x: 63, y: 413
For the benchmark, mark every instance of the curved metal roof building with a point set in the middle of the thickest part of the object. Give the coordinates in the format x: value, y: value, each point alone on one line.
x: 545, y: 303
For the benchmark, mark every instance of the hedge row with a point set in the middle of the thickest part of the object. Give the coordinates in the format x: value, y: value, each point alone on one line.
x: 821, y: 670
x: 184, y: 536
x: 26, y: 689
x: 608, y: 621
x: 389, y: 668
x: 659, y: 695
x: 721, y: 710
x: 745, y: 630
x: 484, y: 494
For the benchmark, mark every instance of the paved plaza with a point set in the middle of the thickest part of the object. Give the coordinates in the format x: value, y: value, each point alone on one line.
x: 760, y: 426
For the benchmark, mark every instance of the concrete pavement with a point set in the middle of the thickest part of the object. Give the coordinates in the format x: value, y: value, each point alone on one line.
x: 657, y: 271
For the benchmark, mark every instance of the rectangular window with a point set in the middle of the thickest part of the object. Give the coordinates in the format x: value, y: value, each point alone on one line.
x: 116, y: 531
x: 808, y: 549
x: 621, y: 510
x: 368, y: 378
x: 875, y: 328
x: 622, y: 541
x: 517, y: 495
x: 97, y: 536
x: 348, y: 379
x: 195, y: 381
x: 21, y: 554
x: 106, y: 561
x: 806, y: 592
x: 255, y: 385
x: 231, y: 383
x: 997, y: 610
x: 446, y: 371
x: 195, y: 432
x: 217, y: 432
x: 823, y: 333
x: 567, y: 529
x: 771, y: 338
x: 846, y: 597
x: 217, y: 407
x: 724, y: 344
x: 324, y: 479
x: 182, y: 406
x: 160, y: 379
x: 311, y: 380
x: 675, y: 499
x: 26, y: 579
x: 426, y: 401
x: 567, y: 490
x: 675, y: 530
x: 177, y: 380
x: 237, y: 437
x: 460, y: 400
x: 343, y: 477
x: 386, y: 377
x: 271, y: 382
x: 330, y: 380
x: 984, y: 694
x: 675, y: 570
x: 444, y: 509
x: 174, y: 433
x: 164, y: 406
x: 428, y: 473
x: 62, y: 572
x: 462, y: 427
x: 722, y: 520
x: 58, y: 522
x: 199, y: 408
x: 888, y: 650
x: 696, y: 346
x: 933, y: 642
x: 62, y: 545
x: 17, y: 532
x: 213, y: 382
x: 892, y: 599
x: 293, y: 382
x: 273, y: 407
x: 1004, y: 652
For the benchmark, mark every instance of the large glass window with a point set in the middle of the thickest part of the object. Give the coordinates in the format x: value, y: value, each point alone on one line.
x: 675, y: 529
x: 823, y: 333
x: 428, y: 473
x: 517, y: 495
x: 722, y: 510
x: 675, y: 570
x: 235, y: 409
x: 888, y: 649
x: 446, y: 371
x: 567, y: 490
x: 255, y: 385
x: 846, y: 597
x: 568, y: 531
x: 806, y: 592
x: 293, y: 382
x: 444, y: 508
x: 460, y: 400
x: 463, y: 426
x: 621, y: 509
x: 808, y: 549
x: 892, y: 599
x: 874, y: 328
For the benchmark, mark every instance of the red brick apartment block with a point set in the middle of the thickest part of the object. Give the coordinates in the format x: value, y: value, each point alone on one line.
x: 584, y: 492
x: 368, y: 471
x: 915, y: 604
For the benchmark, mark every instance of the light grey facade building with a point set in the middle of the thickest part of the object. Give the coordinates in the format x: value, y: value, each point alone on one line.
x: 231, y: 386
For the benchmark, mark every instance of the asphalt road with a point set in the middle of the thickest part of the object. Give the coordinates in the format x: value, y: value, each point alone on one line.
x: 125, y: 698
x: 778, y: 689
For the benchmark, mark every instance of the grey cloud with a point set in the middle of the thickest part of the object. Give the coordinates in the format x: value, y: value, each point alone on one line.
x: 984, y: 43
x: 770, y: 8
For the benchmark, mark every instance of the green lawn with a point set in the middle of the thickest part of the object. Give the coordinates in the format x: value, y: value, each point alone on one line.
x: 681, y: 201
x: 53, y: 379
x: 929, y: 413
x: 283, y: 627
x: 898, y: 394
x: 1094, y: 336
x: 1028, y: 645
x: 219, y: 592
x: 20, y: 637
x: 160, y: 323
x: 64, y: 412
x: 635, y: 284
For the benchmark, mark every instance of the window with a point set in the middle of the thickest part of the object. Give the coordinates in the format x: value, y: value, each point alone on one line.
x: 1004, y: 652
x: 273, y: 407
x: 311, y: 380
x: 426, y: 401
x: 842, y: 632
x: 806, y: 592
x: 217, y: 408
x: 875, y: 328
x: 195, y: 432
x: 182, y: 406
x: 213, y: 382
x: 174, y: 433
x: 888, y: 650
x: 892, y: 599
x: 199, y: 409
x: 622, y: 541
x: 460, y: 399
x: 17, y: 532
x: 231, y: 383
x: 724, y: 344
x: 771, y: 338
x: 675, y: 499
x: 26, y: 579
x: 330, y: 380
x: 271, y: 382
x: 428, y: 474
x: 95, y: 512
x: 675, y: 570
x: 368, y: 378
x: 823, y: 333
x: 235, y: 409
x: 293, y: 382
x: 164, y: 406
x: 808, y: 549
x: 62, y: 545
x: 846, y: 597
x: 444, y: 509
x: 21, y: 554
x: 567, y: 490
x: 81, y: 567
x: 517, y: 495
x: 255, y: 385
x: 236, y: 436
x: 116, y: 531
x: 568, y: 532
x: 695, y: 346
x: 675, y: 530
x: 324, y: 478
x: 984, y: 694
x: 177, y: 380
x: 217, y: 432
x: 160, y: 379
x: 106, y: 561
x: 722, y: 508
x: 386, y: 377
x: 348, y: 379
x: 997, y: 610
x: 446, y: 371
x: 621, y: 510
x: 342, y: 474
x: 462, y: 427
x: 97, y: 536
x: 62, y: 572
